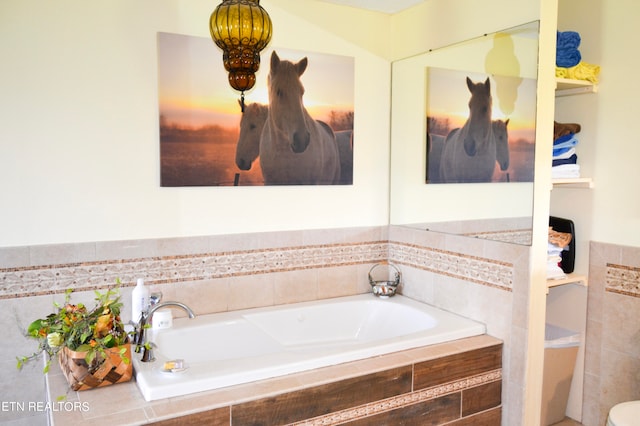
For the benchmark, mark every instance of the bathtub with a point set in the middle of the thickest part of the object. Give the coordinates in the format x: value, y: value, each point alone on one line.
x: 231, y: 348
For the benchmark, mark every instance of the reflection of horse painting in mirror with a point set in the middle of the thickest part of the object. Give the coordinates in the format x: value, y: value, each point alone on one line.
x: 498, y: 152
x: 469, y: 153
x: 295, y: 148
x: 469, y: 137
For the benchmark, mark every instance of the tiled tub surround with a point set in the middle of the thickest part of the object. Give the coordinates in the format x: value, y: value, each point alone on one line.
x: 453, y: 383
x: 481, y: 279
x: 474, y: 278
x: 612, y: 356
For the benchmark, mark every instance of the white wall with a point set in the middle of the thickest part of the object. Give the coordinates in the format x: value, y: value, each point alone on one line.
x: 80, y: 146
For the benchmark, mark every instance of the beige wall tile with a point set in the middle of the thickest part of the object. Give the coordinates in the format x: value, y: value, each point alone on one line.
x: 295, y: 286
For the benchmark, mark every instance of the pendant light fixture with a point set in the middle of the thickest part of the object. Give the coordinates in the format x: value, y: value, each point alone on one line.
x: 241, y: 28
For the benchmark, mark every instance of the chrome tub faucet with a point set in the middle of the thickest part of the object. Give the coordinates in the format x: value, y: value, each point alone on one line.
x: 140, y: 338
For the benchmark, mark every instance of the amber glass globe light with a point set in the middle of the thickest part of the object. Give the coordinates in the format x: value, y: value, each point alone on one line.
x: 241, y: 28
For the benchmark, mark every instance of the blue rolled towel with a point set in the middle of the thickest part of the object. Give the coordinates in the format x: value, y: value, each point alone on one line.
x: 567, y: 40
x: 567, y: 58
x: 567, y: 53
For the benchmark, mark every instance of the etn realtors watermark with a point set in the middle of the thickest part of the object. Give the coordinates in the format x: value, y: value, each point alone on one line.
x: 41, y: 406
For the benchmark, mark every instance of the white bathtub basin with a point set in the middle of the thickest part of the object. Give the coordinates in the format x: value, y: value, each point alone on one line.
x: 237, y: 347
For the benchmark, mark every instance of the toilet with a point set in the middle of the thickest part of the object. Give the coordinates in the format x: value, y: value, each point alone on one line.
x: 624, y: 414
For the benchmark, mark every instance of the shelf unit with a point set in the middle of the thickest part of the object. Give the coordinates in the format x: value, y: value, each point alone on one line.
x: 569, y: 87
x: 566, y: 304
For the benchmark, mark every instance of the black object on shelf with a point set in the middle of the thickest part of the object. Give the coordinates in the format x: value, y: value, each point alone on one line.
x: 569, y: 255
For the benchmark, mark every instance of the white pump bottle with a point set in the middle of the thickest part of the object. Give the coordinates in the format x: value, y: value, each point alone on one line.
x: 139, y: 300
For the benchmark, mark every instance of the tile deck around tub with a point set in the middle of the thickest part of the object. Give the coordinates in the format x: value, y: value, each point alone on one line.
x: 479, y: 393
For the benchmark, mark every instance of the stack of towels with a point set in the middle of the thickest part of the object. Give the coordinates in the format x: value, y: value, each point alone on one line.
x: 558, y: 241
x: 569, y: 63
x: 565, y: 160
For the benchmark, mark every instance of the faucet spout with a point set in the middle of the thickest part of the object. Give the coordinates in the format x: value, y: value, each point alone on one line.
x: 161, y: 305
x: 141, y: 338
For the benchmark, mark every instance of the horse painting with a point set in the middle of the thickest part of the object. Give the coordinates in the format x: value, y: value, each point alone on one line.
x: 251, y: 124
x: 470, y: 151
x: 295, y: 149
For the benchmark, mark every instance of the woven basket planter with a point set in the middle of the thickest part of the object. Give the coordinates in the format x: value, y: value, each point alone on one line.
x: 112, y: 370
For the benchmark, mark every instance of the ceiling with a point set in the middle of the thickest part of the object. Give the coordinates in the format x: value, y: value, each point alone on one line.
x: 385, y: 6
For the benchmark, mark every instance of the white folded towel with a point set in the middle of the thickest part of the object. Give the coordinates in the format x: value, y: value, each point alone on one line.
x: 565, y: 171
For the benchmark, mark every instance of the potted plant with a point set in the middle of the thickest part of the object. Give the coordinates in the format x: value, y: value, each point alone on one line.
x: 92, y: 346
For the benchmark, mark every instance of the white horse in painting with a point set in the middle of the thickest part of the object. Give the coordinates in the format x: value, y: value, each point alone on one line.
x: 344, y: 141
x: 500, y: 135
x: 253, y: 118
x: 248, y: 148
x: 501, y: 141
x: 483, y: 164
x: 469, y: 152
x: 295, y: 149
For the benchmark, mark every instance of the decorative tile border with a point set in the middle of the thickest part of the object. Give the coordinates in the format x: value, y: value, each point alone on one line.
x: 401, y: 401
x: 51, y: 279
x: 623, y: 280
x: 479, y: 270
x: 516, y: 236
x: 83, y: 276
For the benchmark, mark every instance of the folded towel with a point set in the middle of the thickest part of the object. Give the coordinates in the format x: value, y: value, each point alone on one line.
x: 554, y: 252
x: 558, y: 241
x: 564, y: 139
x: 561, y: 129
x: 567, y: 53
x: 567, y: 40
x: 568, y: 58
x: 564, y: 145
x: 565, y: 155
x: 582, y: 71
x: 555, y: 272
x: 565, y: 171
x: 560, y: 161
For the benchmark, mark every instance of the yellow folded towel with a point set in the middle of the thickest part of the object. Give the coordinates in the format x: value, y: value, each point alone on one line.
x: 582, y: 71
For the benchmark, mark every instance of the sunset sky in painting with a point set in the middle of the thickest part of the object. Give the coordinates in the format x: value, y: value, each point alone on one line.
x: 194, y: 91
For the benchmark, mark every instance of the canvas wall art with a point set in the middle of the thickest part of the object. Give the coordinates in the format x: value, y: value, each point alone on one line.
x: 296, y: 128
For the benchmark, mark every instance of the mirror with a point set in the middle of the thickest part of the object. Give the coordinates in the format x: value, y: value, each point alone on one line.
x: 501, y: 209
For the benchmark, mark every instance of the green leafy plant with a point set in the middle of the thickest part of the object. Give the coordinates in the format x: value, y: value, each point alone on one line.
x: 74, y: 326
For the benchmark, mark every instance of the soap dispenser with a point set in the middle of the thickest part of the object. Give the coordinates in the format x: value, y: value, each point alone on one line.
x: 139, y: 300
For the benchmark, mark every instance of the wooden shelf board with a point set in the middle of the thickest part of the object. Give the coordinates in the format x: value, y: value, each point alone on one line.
x: 570, y: 279
x: 568, y: 87
x: 584, y: 182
